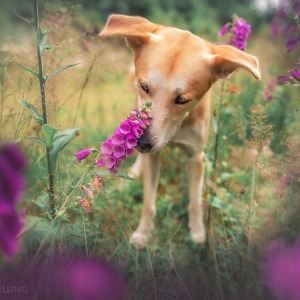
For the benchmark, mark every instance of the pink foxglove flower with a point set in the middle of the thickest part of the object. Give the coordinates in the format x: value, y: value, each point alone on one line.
x: 81, y: 155
x: 238, y: 31
x: 120, y: 146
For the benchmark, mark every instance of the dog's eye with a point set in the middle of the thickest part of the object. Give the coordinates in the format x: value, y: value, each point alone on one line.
x: 181, y: 100
x: 145, y: 88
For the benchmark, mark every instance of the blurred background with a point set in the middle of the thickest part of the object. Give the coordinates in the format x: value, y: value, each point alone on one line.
x: 251, y: 196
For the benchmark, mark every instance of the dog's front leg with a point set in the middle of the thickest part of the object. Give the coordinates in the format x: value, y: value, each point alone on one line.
x: 151, y: 169
x: 195, y: 171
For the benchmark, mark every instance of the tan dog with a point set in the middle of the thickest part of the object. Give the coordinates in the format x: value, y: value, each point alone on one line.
x: 175, y: 70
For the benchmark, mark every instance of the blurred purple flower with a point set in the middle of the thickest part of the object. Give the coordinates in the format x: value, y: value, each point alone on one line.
x: 295, y: 72
x: 12, y: 163
x: 281, y: 272
x: 224, y: 29
x: 116, y: 149
x: 89, y: 280
x: 239, y: 33
x: 283, y: 79
x: 81, y: 155
x: 268, y: 95
x: 291, y: 42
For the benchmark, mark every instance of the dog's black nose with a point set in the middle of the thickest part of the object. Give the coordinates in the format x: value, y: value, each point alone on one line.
x: 144, y: 144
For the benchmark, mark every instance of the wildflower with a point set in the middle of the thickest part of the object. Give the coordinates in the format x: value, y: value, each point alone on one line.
x: 239, y: 32
x: 90, y: 279
x: 292, y: 42
x: 97, y: 183
x: 261, y: 131
x: 282, y: 270
x: 88, y: 192
x: 283, y: 79
x: 116, y: 149
x: 295, y: 72
x: 12, y: 163
x: 81, y: 155
x: 85, y: 204
x: 267, y: 95
x: 232, y: 88
x: 224, y: 29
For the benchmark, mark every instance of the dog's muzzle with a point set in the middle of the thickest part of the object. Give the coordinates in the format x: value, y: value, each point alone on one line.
x: 144, y: 144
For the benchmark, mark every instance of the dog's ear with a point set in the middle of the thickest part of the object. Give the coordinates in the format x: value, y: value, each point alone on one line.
x: 227, y: 59
x: 136, y: 30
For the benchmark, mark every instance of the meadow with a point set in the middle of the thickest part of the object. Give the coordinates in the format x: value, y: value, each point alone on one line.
x: 252, y: 175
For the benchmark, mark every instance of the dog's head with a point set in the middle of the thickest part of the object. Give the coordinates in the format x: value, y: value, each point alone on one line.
x: 174, y: 69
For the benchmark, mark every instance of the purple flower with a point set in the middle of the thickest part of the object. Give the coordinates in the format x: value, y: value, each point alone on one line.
x: 81, y: 155
x: 119, y: 151
x: 239, y: 33
x: 125, y: 127
x: 267, y: 95
x: 137, y: 131
x: 281, y: 271
x: 283, y: 79
x: 117, y: 139
x: 131, y: 141
x: 12, y: 162
x: 224, y: 29
x: 109, y: 161
x: 89, y: 279
x: 107, y: 147
x: 291, y: 43
x: 120, y: 145
x: 295, y: 72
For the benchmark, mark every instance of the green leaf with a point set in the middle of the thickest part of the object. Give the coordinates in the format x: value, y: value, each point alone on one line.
x: 125, y: 177
x: 29, y: 21
x: 28, y: 70
x: 49, y: 133
x: 217, y: 202
x: 37, y: 116
x: 33, y: 139
x: 61, y: 69
x: 61, y: 140
x: 41, y: 40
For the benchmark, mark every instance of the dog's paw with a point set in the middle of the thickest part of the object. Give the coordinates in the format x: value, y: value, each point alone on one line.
x: 198, y: 236
x: 140, y: 238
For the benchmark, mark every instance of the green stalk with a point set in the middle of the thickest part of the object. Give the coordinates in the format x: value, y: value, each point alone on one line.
x: 2, y: 93
x: 44, y: 109
x: 218, y: 127
x: 253, y: 186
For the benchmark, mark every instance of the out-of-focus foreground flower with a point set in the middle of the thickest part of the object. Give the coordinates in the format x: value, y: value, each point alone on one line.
x: 238, y: 31
x: 281, y: 272
x: 12, y: 163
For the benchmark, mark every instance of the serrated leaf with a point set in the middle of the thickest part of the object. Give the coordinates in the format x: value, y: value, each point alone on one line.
x: 28, y: 70
x: 29, y: 21
x: 61, y: 140
x: 61, y: 69
x: 49, y: 133
x: 37, y: 140
x: 41, y: 40
x: 37, y: 116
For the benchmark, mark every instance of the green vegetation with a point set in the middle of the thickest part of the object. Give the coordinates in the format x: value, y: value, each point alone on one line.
x: 244, y: 210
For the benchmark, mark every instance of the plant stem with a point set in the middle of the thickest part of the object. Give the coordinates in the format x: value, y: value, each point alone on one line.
x: 218, y: 126
x: 253, y: 186
x: 79, y: 182
x: 44, y: 109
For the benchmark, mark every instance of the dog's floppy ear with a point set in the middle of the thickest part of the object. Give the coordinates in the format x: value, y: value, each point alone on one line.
x: 227, y: 59
x: 136, y: 30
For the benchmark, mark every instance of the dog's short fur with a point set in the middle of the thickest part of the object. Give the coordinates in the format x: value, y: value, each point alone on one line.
x: 175, y: 70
